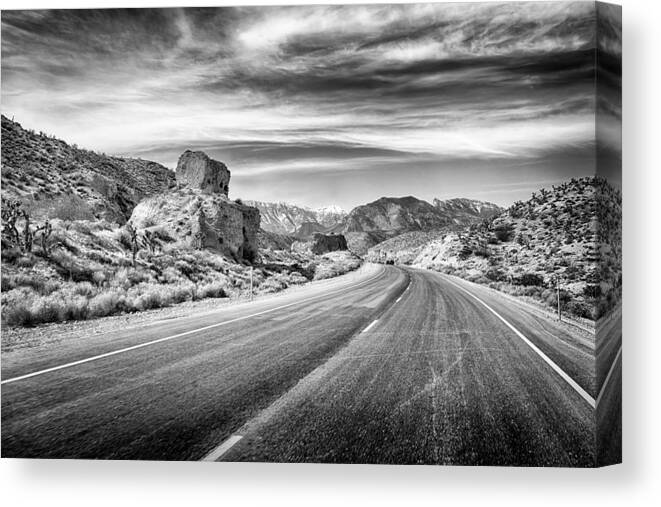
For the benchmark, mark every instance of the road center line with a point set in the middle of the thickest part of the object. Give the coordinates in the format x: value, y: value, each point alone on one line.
x: 584, y: 394
x: 186, y: 333
x: 222, y: 448
x: 610, y: 373
x: 370, y: 326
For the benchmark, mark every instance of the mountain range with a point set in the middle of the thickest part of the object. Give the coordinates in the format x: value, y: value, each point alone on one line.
x: 369, y: 224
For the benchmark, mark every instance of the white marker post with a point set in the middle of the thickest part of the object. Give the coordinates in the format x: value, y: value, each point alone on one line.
x: 250, y: 283
x: 557, y: 287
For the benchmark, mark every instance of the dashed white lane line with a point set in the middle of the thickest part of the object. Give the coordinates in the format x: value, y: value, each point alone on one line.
x: 370, y: 326
x: 186, y: 333
x: 222, y: 448
x: 610, y: 374
x: 582, y: 392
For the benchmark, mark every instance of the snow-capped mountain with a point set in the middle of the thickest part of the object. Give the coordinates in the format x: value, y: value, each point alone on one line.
x: 285, y: 218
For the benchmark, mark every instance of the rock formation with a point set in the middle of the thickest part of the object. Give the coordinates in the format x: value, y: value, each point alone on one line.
x: 321, y: 244
x: 199, y: 214
x: 196, y: 170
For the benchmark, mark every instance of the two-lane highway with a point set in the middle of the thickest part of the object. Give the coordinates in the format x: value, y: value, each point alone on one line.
x: 141, y: 395
x: 438, y: 379
x: 397, y: 366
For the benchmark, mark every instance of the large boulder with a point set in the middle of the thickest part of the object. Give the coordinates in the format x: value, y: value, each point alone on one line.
x: 200, y: 220
x: 197, y: 171
x: 321, y: 244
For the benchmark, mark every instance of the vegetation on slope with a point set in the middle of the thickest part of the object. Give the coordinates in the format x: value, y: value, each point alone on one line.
x: 86, y: 269
x: 568, y: 237
x: 56, y: 179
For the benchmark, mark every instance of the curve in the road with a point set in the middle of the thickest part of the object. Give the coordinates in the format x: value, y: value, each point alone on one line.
x: 180, y: 335
x: 563, y: 375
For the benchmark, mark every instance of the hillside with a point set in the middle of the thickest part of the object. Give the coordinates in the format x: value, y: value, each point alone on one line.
x: 568, y: 235
x: 285, y: 218
x: 389, y: 217
x: 466, y: 211
x: 395, y: 214
x: 60, y: 180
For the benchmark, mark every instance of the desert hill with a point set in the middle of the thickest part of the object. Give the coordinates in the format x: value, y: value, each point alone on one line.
x: 62, y: 180
x: 570, y: 234
x: 389, y: 217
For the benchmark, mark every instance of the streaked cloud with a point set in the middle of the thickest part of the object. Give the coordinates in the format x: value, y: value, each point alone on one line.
x: 286, y: 91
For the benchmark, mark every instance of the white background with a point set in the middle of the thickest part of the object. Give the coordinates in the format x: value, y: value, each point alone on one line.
x: 636, y: 482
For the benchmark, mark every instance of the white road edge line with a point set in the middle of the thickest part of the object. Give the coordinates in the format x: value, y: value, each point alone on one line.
x: 610, y: 373
x: 584, y: 394
x: 370, y: 326
x: 179, y: 335
x: 222, y: 448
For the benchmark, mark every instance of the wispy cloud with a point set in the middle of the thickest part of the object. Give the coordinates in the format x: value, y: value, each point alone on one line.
x: 439, y: 82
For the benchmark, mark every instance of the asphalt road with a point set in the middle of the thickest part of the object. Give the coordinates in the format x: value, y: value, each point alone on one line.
x: 609, y: 380
x: 389, y: 366
x: 174, y: 400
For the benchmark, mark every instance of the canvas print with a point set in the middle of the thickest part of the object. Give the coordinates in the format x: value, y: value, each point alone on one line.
x: 382, y: 234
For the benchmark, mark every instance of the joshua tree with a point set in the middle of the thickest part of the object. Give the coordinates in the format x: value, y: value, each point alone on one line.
x: 150, y: 241
x: 45, y: 231
x: 12, y: 213
x: 135, y: 246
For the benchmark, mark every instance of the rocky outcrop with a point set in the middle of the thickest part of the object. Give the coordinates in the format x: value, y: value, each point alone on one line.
x: 321, y: 244
x: 199, y: 214
x: 196, y: 170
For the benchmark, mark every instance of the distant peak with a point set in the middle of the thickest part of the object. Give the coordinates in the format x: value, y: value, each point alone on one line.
x: 330, y: 209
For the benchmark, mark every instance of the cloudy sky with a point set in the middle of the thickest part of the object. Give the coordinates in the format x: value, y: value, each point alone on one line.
x: 321, y: 105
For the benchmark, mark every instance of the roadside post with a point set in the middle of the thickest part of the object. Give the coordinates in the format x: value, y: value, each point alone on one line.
x: 557, y: 288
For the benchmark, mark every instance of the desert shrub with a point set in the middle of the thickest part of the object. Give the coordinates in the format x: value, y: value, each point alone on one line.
x: 530, y: 279
x: 99, y: 277
x: 592, y: 291
x: 73, y: 308
x: 10, y: 254
x: 10, y: 282
x: 124, y: 239
x: 477, y: 278
x: 183, y: 292
x: 128, y: 277
x: 152, y: 298
x: 496, y: 274
x: 70, y: 208
x: 170, y: 275
x: 580, y: 309
x: 503, y: 232
x: 184, y: 267
x: 97, y: 256
x: 107, y: 303
x: 85, y: 289
x: 26, y: 261
x: 273, y: 284
x: 211, y: 290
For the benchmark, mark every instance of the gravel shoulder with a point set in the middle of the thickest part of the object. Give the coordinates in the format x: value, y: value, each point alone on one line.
x: 16, y: 338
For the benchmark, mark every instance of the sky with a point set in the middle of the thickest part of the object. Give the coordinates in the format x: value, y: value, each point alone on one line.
x: 323, y: 105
